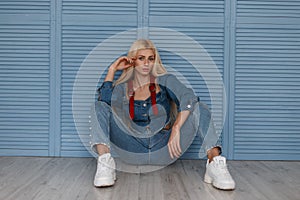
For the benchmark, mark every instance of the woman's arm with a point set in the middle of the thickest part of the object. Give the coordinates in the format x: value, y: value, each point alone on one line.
x: 110, y: 74
x: 106, y: 89
x: 185, y: 100
x: 183, y: 97
x: 120, y: 64
x: 181, y: 118
x: 174, y: 140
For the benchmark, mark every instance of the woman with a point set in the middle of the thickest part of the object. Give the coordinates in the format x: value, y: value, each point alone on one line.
x: 149, y: 117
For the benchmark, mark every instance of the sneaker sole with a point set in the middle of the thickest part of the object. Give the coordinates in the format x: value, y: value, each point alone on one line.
x: 104, y: 183
x: 224, y: 187
x: 208, y: 179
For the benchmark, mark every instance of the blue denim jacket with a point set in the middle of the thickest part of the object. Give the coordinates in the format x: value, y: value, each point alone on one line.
x: 171, y: 89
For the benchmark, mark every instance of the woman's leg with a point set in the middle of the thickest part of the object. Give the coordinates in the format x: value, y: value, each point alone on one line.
x: 102, y: 149
x: 208, y: 135
x: 107, y: 134
x: 199, y: 122
x: 99, y: 132
x: 216, y: 168
x: 99, y: 128
x: 213, y: 152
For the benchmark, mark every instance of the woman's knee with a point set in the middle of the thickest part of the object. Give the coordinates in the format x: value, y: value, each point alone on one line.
x: 100, y: 105
x: 203, y: 106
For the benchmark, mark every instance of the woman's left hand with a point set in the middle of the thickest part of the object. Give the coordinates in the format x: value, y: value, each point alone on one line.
x: 174, y: 143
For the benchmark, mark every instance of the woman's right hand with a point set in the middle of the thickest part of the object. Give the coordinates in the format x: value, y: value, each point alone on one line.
x: 122, y: 63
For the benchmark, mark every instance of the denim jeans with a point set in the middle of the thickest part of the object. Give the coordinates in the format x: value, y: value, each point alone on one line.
x: 143, y: 146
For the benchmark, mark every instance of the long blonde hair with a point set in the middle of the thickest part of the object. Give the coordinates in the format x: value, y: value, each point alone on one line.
x: 158, y: 68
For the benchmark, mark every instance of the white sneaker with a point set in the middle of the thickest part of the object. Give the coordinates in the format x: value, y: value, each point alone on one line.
x: 106, y: 173
x: 218, y: 175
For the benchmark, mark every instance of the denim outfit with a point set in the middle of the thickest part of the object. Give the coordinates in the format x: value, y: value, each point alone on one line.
x: 144, y: 139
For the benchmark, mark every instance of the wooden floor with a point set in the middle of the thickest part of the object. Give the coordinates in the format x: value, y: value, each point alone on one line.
x: 28, y: 178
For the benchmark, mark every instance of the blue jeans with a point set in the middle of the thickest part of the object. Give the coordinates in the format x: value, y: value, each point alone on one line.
x: 144, y: 146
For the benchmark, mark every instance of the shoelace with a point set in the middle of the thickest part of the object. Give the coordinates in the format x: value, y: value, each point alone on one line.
x: 102, y: 167
x: 222, y: 169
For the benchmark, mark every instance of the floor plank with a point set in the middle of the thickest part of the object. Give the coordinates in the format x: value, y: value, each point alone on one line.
x: 41, y: 178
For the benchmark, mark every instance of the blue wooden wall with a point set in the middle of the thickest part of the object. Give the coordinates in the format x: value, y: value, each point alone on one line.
x: 255, y: 45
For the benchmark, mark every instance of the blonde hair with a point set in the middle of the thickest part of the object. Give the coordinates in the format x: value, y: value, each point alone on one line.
x: 158, y: 68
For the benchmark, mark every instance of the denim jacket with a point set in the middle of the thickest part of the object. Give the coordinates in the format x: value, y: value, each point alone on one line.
x: 171, y: 89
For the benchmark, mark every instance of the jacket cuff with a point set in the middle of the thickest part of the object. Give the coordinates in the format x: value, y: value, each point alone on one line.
x: 107, y: 84
x: 188, y: 104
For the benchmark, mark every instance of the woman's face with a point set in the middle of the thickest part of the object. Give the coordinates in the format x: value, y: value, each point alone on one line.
x: 144, y: 61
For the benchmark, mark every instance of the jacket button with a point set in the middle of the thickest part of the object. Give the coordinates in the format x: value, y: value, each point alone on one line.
x: 144, y: 104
